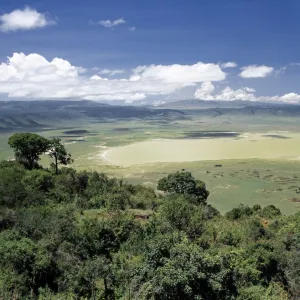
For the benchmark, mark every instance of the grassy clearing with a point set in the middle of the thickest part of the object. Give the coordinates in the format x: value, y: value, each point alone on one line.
x: 250, y: 181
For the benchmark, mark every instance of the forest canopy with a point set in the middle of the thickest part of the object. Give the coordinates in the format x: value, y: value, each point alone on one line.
x: 68, y: 234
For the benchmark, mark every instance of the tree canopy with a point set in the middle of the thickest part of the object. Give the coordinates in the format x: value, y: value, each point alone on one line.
x: 58, y: 152
x: 28, y: 147
x: 184, y: 183
x: 85, y: 235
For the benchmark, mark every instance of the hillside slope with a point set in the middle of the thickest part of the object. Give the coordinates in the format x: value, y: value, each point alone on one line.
x: 24, y: 115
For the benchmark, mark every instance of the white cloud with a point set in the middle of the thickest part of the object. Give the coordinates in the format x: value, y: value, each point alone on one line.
x: 132, y: 28
x: 25, y: 19
x: 229, y: 94
x: 255, y: 71
x: 249, y: 90
x: 183, y: 74
x: 229, y: 64
x: 291, y: 98
x: 96, y: 77
x: 111, y: 72
x: 111, y: 23
x: 34, y: 77
x: 206, y: 92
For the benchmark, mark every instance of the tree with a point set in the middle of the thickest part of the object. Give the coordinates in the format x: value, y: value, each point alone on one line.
x: 178, y: 211
x: 12, y: 190
x: 182, y: 270
x: 28, y: 147
x: 184, y: 183
x: 38, y: 180
x: 59, y: 153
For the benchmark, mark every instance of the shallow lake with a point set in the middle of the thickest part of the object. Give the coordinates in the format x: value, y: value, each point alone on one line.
x: 267, y: 145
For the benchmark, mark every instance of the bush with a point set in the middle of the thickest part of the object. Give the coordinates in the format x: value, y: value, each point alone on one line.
x: 184, y: 183
x: 270, y: 211
x: 239, y: 212
x: 142, y: 198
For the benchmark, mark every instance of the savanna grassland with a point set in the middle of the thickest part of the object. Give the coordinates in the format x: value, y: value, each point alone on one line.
x: 250, y: 180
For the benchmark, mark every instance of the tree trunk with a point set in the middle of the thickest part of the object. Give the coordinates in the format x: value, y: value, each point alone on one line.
x: 105, y: 290
x: 56, y: 165
x: 30, y: 163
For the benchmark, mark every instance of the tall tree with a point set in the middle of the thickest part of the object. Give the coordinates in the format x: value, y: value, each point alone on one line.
x: 28, y: 147
x: 184, y: 183
x: 58, y: 152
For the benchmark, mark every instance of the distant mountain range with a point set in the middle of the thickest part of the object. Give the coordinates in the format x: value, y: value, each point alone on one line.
x: 192, y: 103
x: 23, y: 115
x: 26, y: 115
x: 247, y: 108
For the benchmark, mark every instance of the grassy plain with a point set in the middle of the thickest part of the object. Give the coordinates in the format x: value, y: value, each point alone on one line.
x: 243, y: 180
x: 250, y: 181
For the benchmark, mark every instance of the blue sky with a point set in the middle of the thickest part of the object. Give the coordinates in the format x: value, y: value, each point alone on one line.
x: 166, y: 32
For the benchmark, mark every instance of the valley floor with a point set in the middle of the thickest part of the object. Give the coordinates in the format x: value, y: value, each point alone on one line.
x: 230, y: 182
x: 258, y: 155
x: 268, y: 145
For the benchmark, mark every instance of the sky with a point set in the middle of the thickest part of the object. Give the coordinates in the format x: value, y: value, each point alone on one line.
x: 158, y: 50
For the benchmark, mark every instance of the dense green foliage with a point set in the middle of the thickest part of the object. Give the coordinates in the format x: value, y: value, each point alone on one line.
x: 28, y: 147
x: 184, y: 183
x: 83, y: 235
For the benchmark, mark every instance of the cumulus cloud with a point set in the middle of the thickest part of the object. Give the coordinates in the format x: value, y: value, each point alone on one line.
x: 111, y: 23
x: 291, y: 98
x: 183, y: 74
x: 255, y: 71
x: 229, y: 94
x: 229, y: 64
x: 132, y: 28
x: 25, y: 19
x: 111, y: 72
x: 207, y: 92
x: 34, y: 77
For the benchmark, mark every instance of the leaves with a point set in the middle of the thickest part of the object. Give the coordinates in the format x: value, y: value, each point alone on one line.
x: 184, y: 183
x: 58, y: 152
x: 83, y: 235
x: 28, y: 147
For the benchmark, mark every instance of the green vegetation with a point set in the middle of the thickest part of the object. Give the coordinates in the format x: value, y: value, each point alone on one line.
x: 247, y: 181
x: 28, y: 147
x: 67, y: 234
x: 184, y: 183
x: 58, y: 152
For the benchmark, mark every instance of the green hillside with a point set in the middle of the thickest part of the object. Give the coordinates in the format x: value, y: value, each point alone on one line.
x: 66, y: 234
